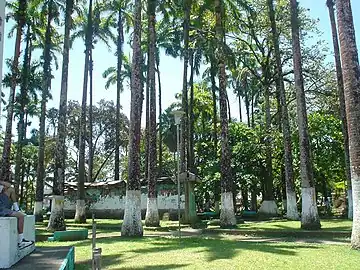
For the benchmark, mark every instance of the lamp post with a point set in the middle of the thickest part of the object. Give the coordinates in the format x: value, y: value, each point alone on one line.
x: 177, y: 116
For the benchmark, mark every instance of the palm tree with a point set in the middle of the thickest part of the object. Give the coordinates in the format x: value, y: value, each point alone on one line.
x: 80, y: 214
x: 309, y: 215
x: 20, y: 18
x: 56, y: 221
x: 152, y: 213
x: 132, y: 218
x: 23, y: 100
x: 50, y: 13
x: 117, y: 7
x: 184, y: 101
x: 291, y: 207
x: 227, y: 215
x: 340, y: 83
x: 351, y: 75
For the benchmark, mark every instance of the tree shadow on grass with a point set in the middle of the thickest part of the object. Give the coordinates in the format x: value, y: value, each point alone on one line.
x: 221, y: 248
x: 117, y: 259
x: 345, y: 229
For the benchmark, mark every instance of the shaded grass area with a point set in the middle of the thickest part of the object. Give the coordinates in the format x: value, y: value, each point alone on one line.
x: 104, y: 226
x: 338, y: 230
x: 211, y: 253
x: 326, y: 225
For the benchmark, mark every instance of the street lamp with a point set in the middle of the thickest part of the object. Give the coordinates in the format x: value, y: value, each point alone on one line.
x: 177, y: 116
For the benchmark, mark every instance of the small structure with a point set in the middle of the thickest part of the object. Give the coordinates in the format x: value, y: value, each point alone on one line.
x: 189, y: 179
x: 10, y: 253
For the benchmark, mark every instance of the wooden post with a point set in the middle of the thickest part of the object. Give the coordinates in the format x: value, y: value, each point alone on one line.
x: 93, y: 231
x: 96, y: 259
x: 96, y: 252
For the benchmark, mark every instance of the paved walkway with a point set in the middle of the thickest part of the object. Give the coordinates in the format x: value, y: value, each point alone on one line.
x: 44, y: 258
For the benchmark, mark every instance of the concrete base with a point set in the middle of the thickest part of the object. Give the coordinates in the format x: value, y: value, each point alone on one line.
x: 10, y: 253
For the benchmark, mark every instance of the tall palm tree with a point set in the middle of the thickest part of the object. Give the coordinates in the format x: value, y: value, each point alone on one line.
x: 340, y: 83
x: 291, y: 207
x: 309, y: 215
x: 184, y: 101
x: 351, y: 75
x: 118, y: 10
x: 80, y: 213
x: 23, y: 100
x: 56, y: 221
x: 33, y: 30
x: 132, y: 218
x: 20, y: 18
x: 227, y: 215
x: 51, y: 11
x: 152, y: 213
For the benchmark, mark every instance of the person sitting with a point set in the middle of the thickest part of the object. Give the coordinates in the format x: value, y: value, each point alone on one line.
x: 7, y: 202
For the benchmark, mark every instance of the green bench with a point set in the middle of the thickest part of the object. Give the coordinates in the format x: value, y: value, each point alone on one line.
x: 208, y: 215
x: 72, y: 235
x: 248, y: 213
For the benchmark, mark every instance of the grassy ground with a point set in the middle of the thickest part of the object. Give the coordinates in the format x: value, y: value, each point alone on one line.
x: 213, y: 251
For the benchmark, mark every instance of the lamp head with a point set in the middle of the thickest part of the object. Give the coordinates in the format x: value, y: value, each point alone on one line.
x: 178, y: 114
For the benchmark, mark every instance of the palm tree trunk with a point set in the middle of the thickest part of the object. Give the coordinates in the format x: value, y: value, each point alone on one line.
x: 239, y: 98
x: 340, y: 83
x: 291, y: 207
x: 252, y: 109
x: 184, y: 97
x: 80, y: 213
x: 23, y: 165
x: 227, y: 215
x: 309, y: 215
x: 191, y: 128
x: 152, y: 213
x: 132, y: 218
x: 147, y: 116
x: 213, y: 90
x: 40, y: 174
x: 56, y: 221
x: 119, y: 51
x: 160, y: 118
x: 23, y: 101
x: 268, y: 206
x: 91, y: 150
x: 351, y: 75
x: 184, y: 103
x: 5, y: 163
x: 217, y: 186
x: 228, y: 105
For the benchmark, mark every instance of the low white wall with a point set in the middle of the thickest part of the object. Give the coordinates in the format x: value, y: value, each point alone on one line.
x: 110, y: 202
x: 10, y: 253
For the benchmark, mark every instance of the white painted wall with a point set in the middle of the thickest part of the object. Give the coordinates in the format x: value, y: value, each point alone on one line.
x: 111, y: 202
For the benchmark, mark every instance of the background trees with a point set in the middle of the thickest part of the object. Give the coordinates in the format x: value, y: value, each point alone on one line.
x: 226, y: 47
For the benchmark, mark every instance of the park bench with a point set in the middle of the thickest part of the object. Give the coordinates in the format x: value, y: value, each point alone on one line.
x: 208, y: 215
x: 72, y: 235
x: 10, y: 253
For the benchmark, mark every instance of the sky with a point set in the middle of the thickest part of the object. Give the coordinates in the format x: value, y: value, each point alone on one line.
x: 171, y: 69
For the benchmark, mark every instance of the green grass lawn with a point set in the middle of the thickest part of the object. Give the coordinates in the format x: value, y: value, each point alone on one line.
x: 208, y: 253
x: 213, y: 251
x: 326, y: 225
